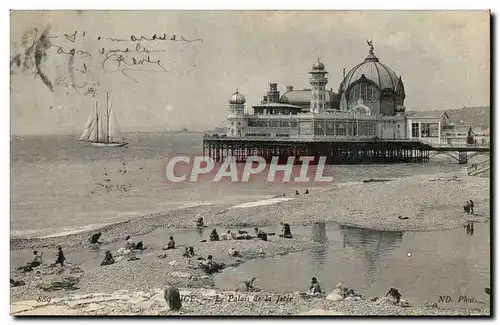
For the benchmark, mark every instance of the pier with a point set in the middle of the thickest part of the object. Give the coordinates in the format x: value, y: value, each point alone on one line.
x: 340, y: 151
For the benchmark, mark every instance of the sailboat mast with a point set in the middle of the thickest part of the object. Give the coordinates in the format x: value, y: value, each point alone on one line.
x: 97, y: 120
x: 107, y: 116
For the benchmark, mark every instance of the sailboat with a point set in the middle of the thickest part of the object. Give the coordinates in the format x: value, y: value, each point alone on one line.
x: 103, y: 132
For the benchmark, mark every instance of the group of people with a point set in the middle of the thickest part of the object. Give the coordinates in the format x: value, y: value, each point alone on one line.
x: 297, y: 192
x: 469, y: 207
x: 37, y: 260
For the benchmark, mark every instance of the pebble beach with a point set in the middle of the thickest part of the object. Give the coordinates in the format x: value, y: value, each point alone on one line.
x: 430, y: 202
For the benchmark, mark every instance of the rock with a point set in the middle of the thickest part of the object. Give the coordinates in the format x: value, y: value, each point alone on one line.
x: 374, y: 299
x: 431, y: 304
x: 58, y: 284
x: 180, y: 275
x: 172, y: 263
x: 336, y: 295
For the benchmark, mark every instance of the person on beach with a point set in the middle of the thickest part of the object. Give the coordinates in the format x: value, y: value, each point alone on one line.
x: 285, y: 230
x: 171, y: 243
x: 140, y: 246
x: 186, y: 252
x: 467, y: 207
x: 314, y: 288
x: 260, y: 234
x: 95, y: 238
x: 471, y: 205
x: 60, y: 256
x: 129, y: 243
x: 284, y: 194
x: 307, y: 191
x: 297, y: 192
x: 172, y: 297
x: 108, y: 259
x: 37, y: 259
x: 214, y: 236
x: 246, y: 285
x: 199, y: 223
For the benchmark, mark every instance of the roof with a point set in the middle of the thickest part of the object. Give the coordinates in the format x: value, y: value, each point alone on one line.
x: 427, y: 114
x: 304, y: 96
x: 383, y: 76
x: 276, y: 105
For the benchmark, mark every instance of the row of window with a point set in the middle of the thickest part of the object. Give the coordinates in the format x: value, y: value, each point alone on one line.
x: 345, y: 129
x: 272, y: 124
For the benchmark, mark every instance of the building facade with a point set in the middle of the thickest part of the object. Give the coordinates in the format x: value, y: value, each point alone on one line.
x: 369, y: 105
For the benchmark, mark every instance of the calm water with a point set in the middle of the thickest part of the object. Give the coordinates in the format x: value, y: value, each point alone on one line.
x: 441, y: 263
x: 55, y: 181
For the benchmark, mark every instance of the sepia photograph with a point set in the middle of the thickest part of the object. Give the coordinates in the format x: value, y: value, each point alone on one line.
x: 250, y: 163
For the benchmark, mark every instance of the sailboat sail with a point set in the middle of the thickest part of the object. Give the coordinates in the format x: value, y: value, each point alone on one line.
x: 88, y: 128
x: 103, y: 129
x: 114, y: 132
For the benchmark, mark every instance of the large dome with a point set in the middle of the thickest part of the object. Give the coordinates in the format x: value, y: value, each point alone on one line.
x: 383, y: 76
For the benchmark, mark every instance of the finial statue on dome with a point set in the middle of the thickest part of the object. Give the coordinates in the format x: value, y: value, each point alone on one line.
x: 370, y: 43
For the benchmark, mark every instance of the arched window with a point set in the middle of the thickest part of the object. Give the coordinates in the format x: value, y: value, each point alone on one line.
x: 365, y: 90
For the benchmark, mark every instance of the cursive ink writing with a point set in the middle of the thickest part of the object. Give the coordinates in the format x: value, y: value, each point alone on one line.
x: 173, y: 38
x: 116, y: 62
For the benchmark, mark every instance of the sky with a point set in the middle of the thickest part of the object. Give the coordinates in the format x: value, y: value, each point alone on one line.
x: 443, y: 58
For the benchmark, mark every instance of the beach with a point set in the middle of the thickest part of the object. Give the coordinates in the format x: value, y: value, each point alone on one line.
x: 374, y: 205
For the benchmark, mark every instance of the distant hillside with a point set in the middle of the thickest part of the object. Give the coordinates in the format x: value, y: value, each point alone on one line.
x: 478, y: 117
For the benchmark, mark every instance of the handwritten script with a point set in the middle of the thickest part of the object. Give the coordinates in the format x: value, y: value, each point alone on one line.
x: 142, y: 54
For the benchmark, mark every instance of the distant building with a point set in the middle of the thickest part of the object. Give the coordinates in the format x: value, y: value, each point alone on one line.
x: 369, y: 105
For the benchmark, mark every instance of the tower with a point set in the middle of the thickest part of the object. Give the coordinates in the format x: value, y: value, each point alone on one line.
x: 236, y: 118
x: 318, y: 81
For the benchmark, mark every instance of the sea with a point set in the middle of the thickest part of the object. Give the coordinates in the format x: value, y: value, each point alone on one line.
x: 60, y: 185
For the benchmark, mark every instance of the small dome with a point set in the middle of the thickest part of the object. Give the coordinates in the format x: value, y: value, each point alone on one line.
x: 237, y: 98
x: 318, y: 66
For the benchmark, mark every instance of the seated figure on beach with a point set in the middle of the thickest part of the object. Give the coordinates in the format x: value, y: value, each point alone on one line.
x: 395, y: 294
x: 129, y: 243
x: 199, y: 223
x: 108, y: 259
x: 171, y: 243
x: 297, y: 192
x: 307, y: 191
x: 285, y: 230
x: 247, y: 285
x: 186, y: 252
x: 467, y: 207
x: 233, y: 252
x: 314, y: 288
x: 140, y: 246
x: 260, y: 234
x: 214, y: 236
x: 37, y: 261
x: 95, y: 238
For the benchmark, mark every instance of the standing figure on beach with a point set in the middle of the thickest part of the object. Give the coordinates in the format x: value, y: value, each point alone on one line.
x: 285, y: 230
x: 60, y: 256
x: 108, y: 259
x: 171, y: 243
x: 307, y: 191
x: 467, y: 207
x: 214, y: 236
x: 172, y: 297
x: 471, y: 205
x: 314, y: 288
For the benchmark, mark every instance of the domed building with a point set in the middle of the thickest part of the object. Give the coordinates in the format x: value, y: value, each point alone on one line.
x: 375, y: 83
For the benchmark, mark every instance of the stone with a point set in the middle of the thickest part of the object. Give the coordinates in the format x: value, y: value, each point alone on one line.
x: 58, y: 284
x: 180, y: 275
x: 172, y: 263
x: 335, y: 295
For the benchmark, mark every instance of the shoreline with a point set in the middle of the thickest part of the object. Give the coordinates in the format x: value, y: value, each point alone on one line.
x: 210, y: 302
x: 372, y: 205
